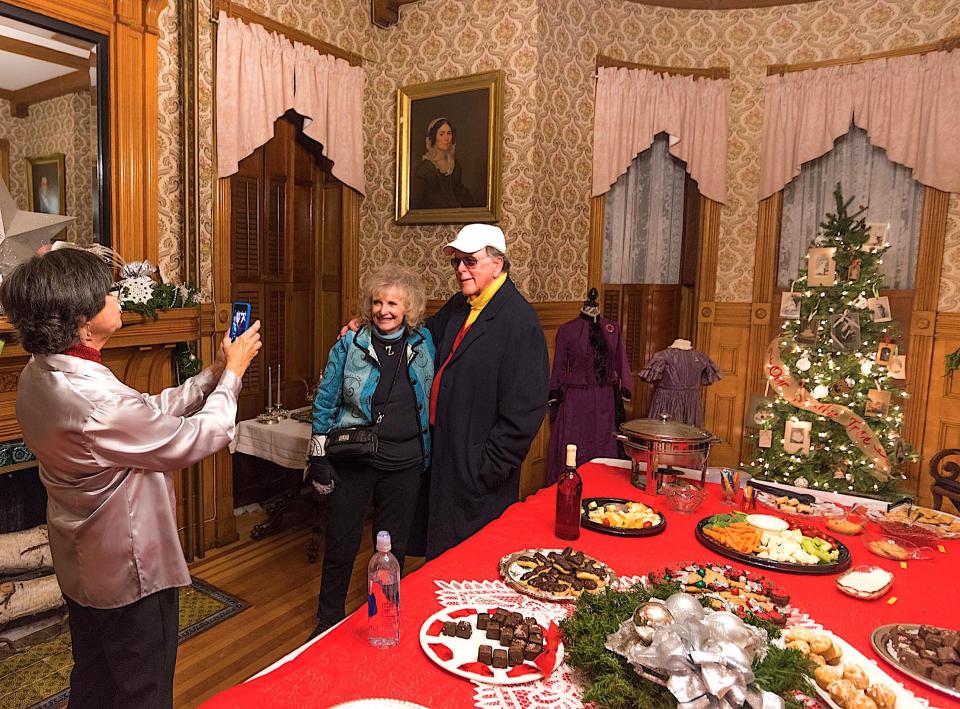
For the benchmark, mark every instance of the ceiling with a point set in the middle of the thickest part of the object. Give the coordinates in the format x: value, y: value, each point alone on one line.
x: 31, y: 55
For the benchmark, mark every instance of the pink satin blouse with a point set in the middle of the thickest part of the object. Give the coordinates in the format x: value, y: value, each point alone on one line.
x: 104, y: 451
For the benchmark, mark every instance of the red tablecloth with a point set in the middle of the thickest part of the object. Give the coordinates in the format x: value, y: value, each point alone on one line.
x: 343, y: 666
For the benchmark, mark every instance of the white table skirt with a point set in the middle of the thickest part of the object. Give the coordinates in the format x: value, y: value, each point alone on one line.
x: 285, y: 443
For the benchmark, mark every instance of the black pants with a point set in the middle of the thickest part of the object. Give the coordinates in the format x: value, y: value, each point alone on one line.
x: 124, y: 657
x: 394, y: 496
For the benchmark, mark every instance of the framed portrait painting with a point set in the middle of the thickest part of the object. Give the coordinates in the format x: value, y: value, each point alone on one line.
x: 46, y: 184
x: 449, y: 136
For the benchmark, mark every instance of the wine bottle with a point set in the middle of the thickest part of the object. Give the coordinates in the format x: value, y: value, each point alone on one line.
x: 569, y: 491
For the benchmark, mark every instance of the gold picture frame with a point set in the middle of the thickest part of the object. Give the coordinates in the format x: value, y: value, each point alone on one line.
x: 435, y: 185
x: 46, y: 184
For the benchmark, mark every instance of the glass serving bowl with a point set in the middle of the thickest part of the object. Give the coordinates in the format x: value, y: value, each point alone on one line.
x: 843, y: 583
x: 683, y: 497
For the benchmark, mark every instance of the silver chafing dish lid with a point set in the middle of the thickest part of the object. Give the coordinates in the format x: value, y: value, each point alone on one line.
x: 663, y: 429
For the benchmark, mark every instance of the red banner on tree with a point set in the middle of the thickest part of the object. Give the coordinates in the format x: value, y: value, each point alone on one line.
x: 862, y: 436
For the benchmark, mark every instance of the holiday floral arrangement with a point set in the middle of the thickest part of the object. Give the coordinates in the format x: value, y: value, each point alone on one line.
x: 834, y: 422
x: 141, y: 293
x: 669, y: 643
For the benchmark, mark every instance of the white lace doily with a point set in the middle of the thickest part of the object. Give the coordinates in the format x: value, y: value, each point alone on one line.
x: 559, y: 690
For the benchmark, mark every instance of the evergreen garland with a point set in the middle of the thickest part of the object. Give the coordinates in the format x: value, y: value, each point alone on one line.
x: 613, y: 684
x: 163, y: 297
x: 834, y: 462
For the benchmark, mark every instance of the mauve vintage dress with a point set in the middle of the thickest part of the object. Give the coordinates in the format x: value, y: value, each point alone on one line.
x: 678, y: 375
x: 586, y: 415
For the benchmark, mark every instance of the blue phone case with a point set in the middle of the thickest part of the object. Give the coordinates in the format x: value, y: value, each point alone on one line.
x: 240, y: 319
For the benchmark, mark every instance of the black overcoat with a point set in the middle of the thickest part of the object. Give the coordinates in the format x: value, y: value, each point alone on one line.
x: 490, y: 405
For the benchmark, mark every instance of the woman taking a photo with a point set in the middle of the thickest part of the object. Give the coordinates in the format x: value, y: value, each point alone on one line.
x: 105, y: 453
x: 382, y: 372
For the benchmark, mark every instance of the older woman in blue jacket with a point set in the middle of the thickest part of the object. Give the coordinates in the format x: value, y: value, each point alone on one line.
x: 386, y: 367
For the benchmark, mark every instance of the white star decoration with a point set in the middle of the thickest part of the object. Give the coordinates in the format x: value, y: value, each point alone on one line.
x: 21, y: 232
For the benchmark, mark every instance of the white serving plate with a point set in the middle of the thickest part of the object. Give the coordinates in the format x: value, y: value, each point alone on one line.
x: 465, y: 649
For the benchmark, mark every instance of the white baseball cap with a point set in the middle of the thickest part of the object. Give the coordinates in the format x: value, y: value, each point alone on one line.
x: 474, y: 237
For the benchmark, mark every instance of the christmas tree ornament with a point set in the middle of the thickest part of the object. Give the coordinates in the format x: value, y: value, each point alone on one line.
x: 838, y: 474
x: 801, y: 482
x: 765, y: 438
x: 861, y: 303
x: 820, y: 391
x: 878, y: 403
x: 866, y: 368
x: 845, y: 331
x: 803, y: 364
x: 821, y: 267
x: 840, y: 387
x: 897, y: 368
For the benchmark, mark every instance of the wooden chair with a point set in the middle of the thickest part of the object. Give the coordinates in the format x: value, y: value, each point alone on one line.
x: 944, y: 470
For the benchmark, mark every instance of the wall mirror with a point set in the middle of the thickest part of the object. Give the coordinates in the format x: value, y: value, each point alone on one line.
x: 54, y: 121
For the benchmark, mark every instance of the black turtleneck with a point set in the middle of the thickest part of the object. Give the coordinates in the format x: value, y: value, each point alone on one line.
x: 399, y: 433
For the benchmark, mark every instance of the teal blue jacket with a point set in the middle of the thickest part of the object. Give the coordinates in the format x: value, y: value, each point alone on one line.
x: 345, y: 394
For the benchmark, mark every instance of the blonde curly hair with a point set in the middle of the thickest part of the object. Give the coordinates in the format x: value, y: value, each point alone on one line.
x: 407, y: 282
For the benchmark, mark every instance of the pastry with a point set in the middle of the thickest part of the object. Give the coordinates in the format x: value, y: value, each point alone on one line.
x: 820, y: 644
x: 860, y: 701
x: 855, y: 674
x: 800, y: 645
x: 841, y: 691
x: 825, y: 676
x: 882, y: 696
x: 888, y: 549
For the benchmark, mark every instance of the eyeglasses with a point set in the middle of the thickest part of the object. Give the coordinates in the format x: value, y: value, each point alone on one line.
x: 468, y: 261
x: 114, y: 290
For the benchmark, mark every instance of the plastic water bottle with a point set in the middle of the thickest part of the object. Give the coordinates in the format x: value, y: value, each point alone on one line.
x: 383, y: 595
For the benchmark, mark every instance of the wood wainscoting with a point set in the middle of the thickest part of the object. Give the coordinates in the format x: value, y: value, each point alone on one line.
x: 942, y: 429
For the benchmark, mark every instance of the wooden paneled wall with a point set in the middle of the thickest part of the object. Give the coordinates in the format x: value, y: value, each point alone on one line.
x: 942, y: 407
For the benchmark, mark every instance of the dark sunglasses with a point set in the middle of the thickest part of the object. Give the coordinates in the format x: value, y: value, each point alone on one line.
x: 468, y: 261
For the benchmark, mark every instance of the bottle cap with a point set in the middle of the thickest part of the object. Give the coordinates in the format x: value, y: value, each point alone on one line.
x: 571, y: 455
x: 383, y: 541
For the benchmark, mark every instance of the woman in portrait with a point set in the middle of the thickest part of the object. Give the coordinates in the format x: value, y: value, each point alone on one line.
x: 106, y: 454
x: 380, y: 373
x: 437, y: 182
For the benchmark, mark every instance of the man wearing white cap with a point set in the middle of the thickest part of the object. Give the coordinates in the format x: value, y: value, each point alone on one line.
x: 489, y: 394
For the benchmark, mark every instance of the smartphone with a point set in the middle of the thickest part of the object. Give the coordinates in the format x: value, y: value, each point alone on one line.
x: 240, y: 320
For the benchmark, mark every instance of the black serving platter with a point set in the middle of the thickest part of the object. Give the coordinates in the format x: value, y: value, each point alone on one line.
x: 842, y: 562
x: 587, y: 523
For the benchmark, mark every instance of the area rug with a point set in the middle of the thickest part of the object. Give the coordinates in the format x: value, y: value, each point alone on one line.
x: 39, y: 676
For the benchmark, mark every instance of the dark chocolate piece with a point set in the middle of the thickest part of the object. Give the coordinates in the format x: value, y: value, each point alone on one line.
x: 515, y: 655
x: 485, y: 654
x: 567, y: 551
x: 449, y: 628
x: 946, y: 654
x: 464, y: 629
x: 500, y: 658
x: 482, y: 621
x: 514, y: 619
x: 532, y: 651
x: 520, y: 633
x: 493, y: 630
x: 506, y: 637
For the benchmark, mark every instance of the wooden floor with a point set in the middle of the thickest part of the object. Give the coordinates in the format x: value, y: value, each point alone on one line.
x: 273, y: 576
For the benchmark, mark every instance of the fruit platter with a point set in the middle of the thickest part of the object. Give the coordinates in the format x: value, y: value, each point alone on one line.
x: 625, y: 518
x: 774, y: 543
x: 555, y: 574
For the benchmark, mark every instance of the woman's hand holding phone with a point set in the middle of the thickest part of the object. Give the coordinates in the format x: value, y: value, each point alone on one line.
x: 240, y: 352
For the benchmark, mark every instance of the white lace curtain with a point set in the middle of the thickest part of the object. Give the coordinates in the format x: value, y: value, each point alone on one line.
x: 887, y: 189
x: 643, y: 219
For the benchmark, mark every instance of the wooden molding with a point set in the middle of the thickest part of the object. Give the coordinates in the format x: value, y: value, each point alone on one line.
x: 716, y: 72
x: 46, y: 54
x: 595, y: 243
x: 948, y: 326
x: 22, y: 99
x: 240, y: 12
x: 943, y: 45
x: 386, y: 13
x: 5, y: 161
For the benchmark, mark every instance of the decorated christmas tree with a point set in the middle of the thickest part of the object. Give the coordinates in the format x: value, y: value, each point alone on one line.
x: 832, y: 420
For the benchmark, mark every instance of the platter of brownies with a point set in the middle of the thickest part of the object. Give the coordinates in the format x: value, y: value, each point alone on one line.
x: 497, y: 646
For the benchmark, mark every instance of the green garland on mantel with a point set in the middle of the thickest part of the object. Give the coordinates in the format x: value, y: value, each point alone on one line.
x: 612, y: 684
x: 164, y: 297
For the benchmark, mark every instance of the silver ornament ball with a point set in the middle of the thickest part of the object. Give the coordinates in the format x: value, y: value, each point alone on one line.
x: 684, y: 606
x: 652, y: 615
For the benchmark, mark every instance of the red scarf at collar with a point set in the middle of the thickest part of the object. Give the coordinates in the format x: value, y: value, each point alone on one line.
x: 83, y: 352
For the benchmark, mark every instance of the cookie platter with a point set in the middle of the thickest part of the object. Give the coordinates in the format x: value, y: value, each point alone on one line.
x: 907, y: 518
x: 900, y: 645
x: 473, y: 643
x: 555, y: 574
x: 621, y: 517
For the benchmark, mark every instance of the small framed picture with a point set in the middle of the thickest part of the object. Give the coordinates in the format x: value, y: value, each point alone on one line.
x: 878, y: 403
x: 885, y: 353
x: 845, y: 331
x: 765, y: 438
x: 46, y: 184
x: 898, y: 367
x: 853, y: 272
x: 880, y: 307
x: 790, y: 305
x: 759, y: 411
x: 796, y: 436
x: 809, y: 331
x: 821, y: 267
x: 877, y: 233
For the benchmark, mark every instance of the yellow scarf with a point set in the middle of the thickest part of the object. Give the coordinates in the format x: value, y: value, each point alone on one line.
x: 478, y: 301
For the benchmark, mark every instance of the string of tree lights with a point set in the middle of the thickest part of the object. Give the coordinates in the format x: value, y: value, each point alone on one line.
x: 834, y: 418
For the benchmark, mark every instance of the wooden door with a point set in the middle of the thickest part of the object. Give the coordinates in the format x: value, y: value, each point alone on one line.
x: 286, y: 262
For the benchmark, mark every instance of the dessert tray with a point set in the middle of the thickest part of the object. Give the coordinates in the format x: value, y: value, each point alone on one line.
x: 844, y: 675
x: 463, y: 656
x: 792, y: 507
x: 618, y: 516
x: 773, y: 543
x: 902, y: 520
x: 889, y: 643
x: 555, y: 574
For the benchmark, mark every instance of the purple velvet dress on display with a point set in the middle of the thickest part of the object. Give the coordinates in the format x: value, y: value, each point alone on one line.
x: 678, y: 375
x: 586, y: 380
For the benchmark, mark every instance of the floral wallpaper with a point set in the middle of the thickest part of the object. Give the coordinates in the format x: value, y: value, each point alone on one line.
x: 548, y: 50
x: 170, y: 148
x: 61, y: 125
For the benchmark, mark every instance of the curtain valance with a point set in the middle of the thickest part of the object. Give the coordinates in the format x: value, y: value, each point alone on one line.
x: 907, y: 105
x: 634, y: 105
x: 261, y: 75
